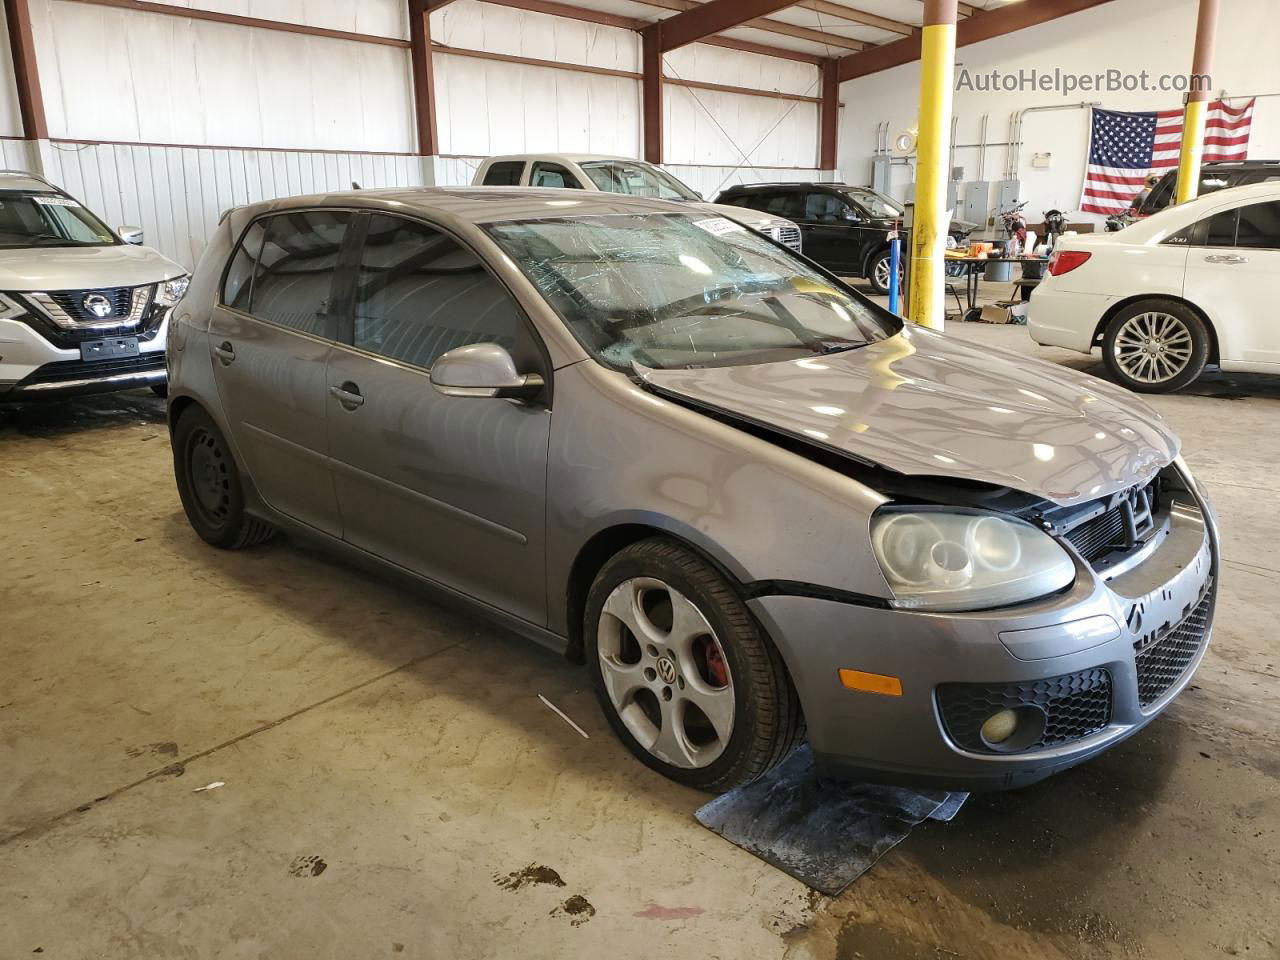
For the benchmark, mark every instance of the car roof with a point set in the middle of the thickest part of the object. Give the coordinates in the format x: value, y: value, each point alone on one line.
x: 477, y: 205
x: 800, y: 184
x: 21, y: 180
x: 1173, y: 218
x: 563, y: 157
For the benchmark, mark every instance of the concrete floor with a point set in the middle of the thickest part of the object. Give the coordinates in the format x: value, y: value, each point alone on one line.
x: 393, y: 786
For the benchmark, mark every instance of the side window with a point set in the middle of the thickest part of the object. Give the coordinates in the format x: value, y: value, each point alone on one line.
x: 237, y: 285
x: 1220, y: 230
x: 553, y: 175
x: 1259, y: 226
x: 1160, y: 197
x: 789, y: 204
x: 505, y: 173
x: 825, y: 207
x: 420, y: 293
x: 293, y: 280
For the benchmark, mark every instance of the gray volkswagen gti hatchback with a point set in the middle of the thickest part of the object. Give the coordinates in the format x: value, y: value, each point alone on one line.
x: 754, y: 504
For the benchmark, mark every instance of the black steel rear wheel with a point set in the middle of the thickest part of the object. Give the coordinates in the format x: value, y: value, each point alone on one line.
x: 209, y: 484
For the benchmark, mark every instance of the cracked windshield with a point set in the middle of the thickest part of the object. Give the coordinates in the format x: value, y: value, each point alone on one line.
x: 672, y: 291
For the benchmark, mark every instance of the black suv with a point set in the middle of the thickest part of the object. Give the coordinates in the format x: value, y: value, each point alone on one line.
x: 846, y: 229
x: 1213, y: 176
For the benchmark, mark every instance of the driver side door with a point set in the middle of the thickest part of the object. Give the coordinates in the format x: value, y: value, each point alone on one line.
x: 451, y: 488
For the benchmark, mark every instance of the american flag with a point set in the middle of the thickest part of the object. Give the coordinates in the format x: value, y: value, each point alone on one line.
x: 1126, y: 148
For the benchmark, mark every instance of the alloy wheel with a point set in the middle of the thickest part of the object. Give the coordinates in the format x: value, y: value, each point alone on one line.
x: 665, y: 673
x: 882, y: 273
x: 1153, y: 347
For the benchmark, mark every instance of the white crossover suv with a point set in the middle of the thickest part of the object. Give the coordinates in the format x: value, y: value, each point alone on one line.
x: 583, y: 171
x: 1193, y: 284
x: 82, y: 307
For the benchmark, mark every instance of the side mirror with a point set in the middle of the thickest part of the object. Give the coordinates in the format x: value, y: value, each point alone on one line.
x: 852, y: 215
x: 130, y: 234
x: 482, y: 370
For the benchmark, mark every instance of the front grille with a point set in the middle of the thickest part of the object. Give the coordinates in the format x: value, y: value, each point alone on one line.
x: 61, y: 317
x: 67, y: 370
x: 71, y: 304
x: 787, y: 236
x: 1074, y: 705
x: 1162, y: 662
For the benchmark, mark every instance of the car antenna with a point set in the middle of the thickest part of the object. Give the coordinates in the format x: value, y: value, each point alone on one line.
x: 354, y: 185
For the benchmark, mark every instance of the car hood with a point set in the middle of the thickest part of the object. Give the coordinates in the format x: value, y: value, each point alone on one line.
x: 923, y: 404
x: 82, y: 268
x: 743, y: 215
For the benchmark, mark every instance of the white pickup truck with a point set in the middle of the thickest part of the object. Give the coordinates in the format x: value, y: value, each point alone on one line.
x: 580, y: 171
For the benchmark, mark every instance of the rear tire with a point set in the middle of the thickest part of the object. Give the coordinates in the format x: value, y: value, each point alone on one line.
x: 1155, y: 346
x: 209, y: 484
x: 684, y: 673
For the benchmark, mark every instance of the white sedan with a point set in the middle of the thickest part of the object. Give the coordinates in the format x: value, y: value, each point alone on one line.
x: 1197, y: 283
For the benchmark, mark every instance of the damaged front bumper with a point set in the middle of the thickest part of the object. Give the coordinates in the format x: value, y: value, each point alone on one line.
x: 1084, y: 669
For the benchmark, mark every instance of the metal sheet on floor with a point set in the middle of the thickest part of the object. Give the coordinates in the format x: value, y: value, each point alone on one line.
x: 824, y: 833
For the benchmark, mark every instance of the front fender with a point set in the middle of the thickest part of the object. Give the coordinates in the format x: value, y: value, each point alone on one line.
x: 619, y: 456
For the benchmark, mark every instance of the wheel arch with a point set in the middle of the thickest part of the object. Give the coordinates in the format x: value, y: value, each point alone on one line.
x: 177, y: 407
x: 873, y: 252
x: 1101, y: 329
x: 604, y: 544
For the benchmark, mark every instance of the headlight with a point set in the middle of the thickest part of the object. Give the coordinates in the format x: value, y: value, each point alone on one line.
x: 941, y: 560
x: 171, y: 291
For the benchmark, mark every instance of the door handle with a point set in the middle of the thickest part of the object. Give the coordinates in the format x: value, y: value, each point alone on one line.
x: 225, y: 352
x: 1225, y: 258
x: 348, y: 394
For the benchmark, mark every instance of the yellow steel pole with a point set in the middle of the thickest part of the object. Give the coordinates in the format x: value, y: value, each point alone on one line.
x: 1193, y: 115
x: 928, y: 235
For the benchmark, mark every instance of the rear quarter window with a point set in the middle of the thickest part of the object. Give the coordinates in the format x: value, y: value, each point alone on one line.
x: 505, y: 173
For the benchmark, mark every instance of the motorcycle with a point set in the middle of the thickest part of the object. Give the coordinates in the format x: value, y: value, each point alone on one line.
x: 1118, y: 221
x: 1055, y: 225
x: 1014, y: 223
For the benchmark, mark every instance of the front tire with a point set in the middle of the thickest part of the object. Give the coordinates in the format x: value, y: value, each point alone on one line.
x: 878, y: 272
x: 209, y: 484
x: 1155, y: 346
x: 685, y: 675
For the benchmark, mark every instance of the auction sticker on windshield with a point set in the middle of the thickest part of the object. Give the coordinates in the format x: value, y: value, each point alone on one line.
x: 55, y: 202
x: 719, y: 226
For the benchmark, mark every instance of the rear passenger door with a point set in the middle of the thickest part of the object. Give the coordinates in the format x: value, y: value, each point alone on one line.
x: 451, y: 488
x: 830, y: 237
x: 1233, y: 273
x: 271, y: 334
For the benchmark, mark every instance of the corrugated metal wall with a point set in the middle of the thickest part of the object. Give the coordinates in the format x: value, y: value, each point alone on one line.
x: 210, y: 115
x: 176, y: 194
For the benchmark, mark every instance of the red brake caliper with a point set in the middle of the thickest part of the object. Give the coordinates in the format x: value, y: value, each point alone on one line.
x: 717, y: 669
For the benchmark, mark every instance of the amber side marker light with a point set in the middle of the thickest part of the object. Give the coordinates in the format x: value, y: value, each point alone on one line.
x: 871, y: 682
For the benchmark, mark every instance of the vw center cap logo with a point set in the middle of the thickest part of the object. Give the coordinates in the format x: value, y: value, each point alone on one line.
x: 667, y: 670
x: 97, y: 304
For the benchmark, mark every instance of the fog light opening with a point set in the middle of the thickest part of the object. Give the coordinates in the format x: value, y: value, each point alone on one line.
x: 999, y: 727
x: 1013, y: 729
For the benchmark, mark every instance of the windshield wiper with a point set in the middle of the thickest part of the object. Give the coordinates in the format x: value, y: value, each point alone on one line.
x: 836, y: 346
